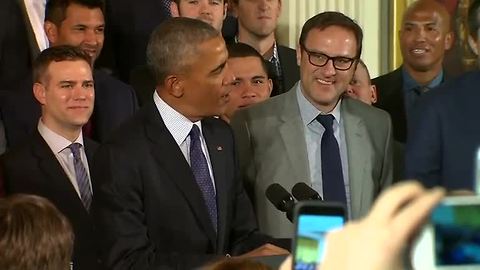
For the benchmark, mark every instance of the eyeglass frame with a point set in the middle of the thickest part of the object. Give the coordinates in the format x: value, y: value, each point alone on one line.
x: 309, y: 53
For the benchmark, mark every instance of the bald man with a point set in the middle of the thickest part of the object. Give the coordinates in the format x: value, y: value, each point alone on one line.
x: 361, y: 86
x: 424, y: 37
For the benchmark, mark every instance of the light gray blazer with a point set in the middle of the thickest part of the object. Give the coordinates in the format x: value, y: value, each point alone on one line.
x: 272, y: 149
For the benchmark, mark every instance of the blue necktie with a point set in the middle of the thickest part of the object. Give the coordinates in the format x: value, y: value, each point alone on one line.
x: 332, y: 175
x: 199, y: 165
x: 81, y: 175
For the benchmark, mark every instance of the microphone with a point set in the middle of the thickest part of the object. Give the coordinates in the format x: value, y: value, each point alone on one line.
x: 303, y: 192
x: 281, y: 199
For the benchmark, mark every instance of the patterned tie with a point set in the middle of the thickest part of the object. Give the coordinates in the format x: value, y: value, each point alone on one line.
x: 81, y: 175
x: 332, y: 175
x: 199, y: 165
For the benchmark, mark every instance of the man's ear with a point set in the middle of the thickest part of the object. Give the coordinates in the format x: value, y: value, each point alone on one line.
x: 174, y: 86
x: 51, y: 31
x: 270, y: 87
x: 39, y: 93
x: 299, y: 54
x: 174, y: 9
x: 373, y: 93
x: 449, y: 37
x: 225, y: 8
x: 473, y: 44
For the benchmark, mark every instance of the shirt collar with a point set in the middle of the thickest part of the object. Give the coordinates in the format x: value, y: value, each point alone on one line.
x: 409, y: 83
x: 178, y: 125
x: 309, y: 112
x: 55, y: 141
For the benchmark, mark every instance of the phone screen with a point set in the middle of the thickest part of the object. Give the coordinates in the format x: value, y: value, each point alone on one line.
x: 456, y: 234
x: 310, y: 241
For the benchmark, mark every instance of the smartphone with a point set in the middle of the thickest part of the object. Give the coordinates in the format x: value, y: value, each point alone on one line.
x: 313, y: 220
x: 451, y: 240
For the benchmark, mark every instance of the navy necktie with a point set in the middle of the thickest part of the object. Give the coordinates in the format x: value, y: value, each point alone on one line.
x: 332, y: 175
x: 199, y: 165
x: 81, y: 175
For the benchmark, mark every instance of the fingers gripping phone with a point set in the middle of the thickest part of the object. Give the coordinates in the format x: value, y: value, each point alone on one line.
x: 313, y: 220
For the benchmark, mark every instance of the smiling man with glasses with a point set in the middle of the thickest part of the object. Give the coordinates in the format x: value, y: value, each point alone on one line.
x: 341, y: 147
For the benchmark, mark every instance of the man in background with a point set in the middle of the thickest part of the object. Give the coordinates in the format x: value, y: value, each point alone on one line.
x: 257, y: 21
x: 424, y: 37
x: 361, y: 86
x: 252, y: 83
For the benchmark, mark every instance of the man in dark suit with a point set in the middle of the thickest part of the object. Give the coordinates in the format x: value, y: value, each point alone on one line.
x: 54, y: 162
x: 424, y: 37
x: 444, y: 137
x: 77, y: 23
x: 170, y: 197
x: 257, y: 21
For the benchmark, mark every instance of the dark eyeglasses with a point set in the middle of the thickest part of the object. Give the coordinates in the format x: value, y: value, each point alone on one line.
x: 320, y: 60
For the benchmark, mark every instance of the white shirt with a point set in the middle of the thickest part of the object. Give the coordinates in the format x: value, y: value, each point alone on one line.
x: 59, y: 146
x: 180, y: 126
x: 36, y: 15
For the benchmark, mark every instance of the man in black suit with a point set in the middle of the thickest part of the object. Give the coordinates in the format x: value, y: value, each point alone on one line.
x: 77, y: 23
x: 424, y: 37
x: 169, y: 197
x: 54, y: 162
x: 257, y: 21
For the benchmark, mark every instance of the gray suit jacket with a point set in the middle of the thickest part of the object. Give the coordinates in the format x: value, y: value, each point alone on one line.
x: 272, y: 148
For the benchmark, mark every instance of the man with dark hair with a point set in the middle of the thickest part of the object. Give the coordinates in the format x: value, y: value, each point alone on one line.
x: 424, y: 37
x: 252, y: 84
x: 34, y: 235
x: 257, y: 21
x: 340, y: 147
x: 212, y: 12
x: 170, y: 196
x: 77, y: 23
x: 54, y: 161
x: 444, y: 137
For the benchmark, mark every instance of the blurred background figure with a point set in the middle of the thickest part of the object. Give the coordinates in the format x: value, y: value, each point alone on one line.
x: 361, y: 86
x: 252, y: 82
x: 34, y: 235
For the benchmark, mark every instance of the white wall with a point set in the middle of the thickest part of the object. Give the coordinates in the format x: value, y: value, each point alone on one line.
x: 365, y: 12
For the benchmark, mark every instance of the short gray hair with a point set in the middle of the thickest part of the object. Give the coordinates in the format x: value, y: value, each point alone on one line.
x: 174, y: 43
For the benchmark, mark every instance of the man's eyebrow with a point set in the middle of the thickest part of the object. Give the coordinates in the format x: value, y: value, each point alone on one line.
x: 219, y: 67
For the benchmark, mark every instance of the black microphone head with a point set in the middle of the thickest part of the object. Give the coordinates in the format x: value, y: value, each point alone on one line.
x: 279, y: 197
x: 303, y: 192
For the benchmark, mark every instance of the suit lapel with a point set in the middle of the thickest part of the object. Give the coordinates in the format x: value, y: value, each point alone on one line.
x: 177, y: 168
x: 34, y: 48
x: 357, y: 148
x: 291, y: 131
x: 56, y: 176
x: 216, y: 145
